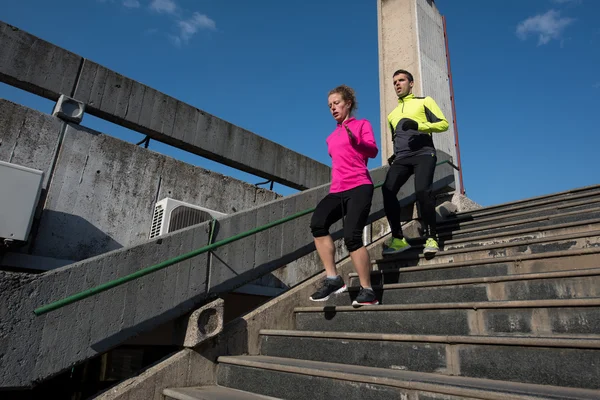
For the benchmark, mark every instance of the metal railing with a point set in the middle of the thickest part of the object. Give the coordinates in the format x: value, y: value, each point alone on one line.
x: 157, y: 267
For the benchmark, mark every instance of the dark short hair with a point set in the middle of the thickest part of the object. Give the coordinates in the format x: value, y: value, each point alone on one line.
x: 408, y: 74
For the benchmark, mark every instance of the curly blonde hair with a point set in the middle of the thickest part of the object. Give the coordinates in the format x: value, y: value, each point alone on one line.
x: 348, y: 95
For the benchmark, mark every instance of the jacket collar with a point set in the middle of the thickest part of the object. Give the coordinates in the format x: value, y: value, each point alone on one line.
x: 409, y: 96
x: 347, y: 121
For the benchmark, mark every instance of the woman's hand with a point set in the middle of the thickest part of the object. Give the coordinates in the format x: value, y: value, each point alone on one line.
x: 348, y: 131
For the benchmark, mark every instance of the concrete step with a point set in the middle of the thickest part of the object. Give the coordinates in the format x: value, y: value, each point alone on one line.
x: 564, y: 260
x: 571, y: 241
x: 564, y: 202
x: 532, y: 202
x: 536, y: 286
x: 566, y: 317
x: 309, y: 380
x: 212, y: 393
x: 581, y: 206
x: 500, y: 228
x: 523, y: 234
x: 546, y: 361
x: 551, y: 230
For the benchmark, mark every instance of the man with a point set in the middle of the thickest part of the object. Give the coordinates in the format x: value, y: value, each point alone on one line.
x: 412, y: 123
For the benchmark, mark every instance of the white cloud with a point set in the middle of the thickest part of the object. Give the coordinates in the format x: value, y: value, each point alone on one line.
x: 548, y: 26
x: 566, y: 1
x: 197, y: 21
x: 164, y: 6
x: 131, y: 3
x: 596, y: 85
x: 189, y: 27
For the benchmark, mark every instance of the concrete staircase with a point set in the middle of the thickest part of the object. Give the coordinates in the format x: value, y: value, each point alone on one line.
x: 509, y: 310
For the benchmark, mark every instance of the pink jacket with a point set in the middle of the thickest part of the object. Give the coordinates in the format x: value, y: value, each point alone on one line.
x: 349, y: 156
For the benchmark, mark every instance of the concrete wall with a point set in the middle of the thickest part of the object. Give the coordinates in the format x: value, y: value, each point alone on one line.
x: 398, y: 48
x: 32, y: 64
x: 434, y: 71
x: 29, y: 138
x: 102, y: 190
x: 37, y: 347
x: 411, y: 37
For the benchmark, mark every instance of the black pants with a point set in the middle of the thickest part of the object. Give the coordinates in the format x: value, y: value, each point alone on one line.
x: 423, y: 167
x: 355, y: 204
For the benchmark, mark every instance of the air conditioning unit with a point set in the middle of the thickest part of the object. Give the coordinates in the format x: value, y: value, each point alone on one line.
x: 171, y: 215
x: 20, y: 189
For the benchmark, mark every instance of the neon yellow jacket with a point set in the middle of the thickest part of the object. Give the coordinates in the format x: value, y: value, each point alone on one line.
x: 427, y: 114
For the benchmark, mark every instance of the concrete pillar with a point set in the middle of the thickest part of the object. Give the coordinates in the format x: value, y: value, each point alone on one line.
x: 411, y: 37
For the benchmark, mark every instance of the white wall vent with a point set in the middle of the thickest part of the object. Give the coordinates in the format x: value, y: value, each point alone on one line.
x: 171, y: 215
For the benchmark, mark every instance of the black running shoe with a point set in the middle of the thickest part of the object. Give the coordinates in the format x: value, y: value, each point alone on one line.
x: 366, y: 297
x: 330, y: 286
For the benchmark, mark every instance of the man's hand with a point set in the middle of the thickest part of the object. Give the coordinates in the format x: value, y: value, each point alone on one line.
x: 410, y: 124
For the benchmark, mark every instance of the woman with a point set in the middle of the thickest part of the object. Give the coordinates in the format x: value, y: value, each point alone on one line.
x: 350, y: 146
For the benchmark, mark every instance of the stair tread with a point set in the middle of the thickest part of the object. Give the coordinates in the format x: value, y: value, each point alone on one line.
x: 492, y: 246
x: 575, y: 273
x: 212, y: 393
x: 549, y: 254
x: 538, y: 341
x: 584, y: 302
x: 466, y: 220
x: 523, y: 231
x: 567, y: 194
x: 550, y: 217
x: 408, y: 379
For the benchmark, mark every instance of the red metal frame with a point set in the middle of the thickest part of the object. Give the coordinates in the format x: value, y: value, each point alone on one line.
x: 456, y: 144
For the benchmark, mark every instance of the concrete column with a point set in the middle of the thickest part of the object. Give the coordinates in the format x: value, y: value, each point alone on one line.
x: 411, y: 37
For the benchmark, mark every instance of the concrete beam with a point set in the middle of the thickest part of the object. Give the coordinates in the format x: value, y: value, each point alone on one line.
x: 37, y: 66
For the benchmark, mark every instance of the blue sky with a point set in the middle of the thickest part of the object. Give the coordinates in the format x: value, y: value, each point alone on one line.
x: 525, y: 75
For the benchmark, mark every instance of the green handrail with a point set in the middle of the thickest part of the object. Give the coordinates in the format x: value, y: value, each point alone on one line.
x: 157, y: 267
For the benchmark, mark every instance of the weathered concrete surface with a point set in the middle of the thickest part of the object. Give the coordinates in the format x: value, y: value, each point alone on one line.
x: 181, y: 369
x: 28, y: 137
x: 464, y: 203
x: 543, y: 318
x: 398, y: 48
x: 520, y: 264
x: 402, y: 355
x: 434, y: 73
x: 35, y: 65
x: 37, y: 347
x: 516, y: 361
x: 103, y: 193
x: 565, y: 287
x: 69, y: 109
x: 445, y: 210
x: 204, y: 323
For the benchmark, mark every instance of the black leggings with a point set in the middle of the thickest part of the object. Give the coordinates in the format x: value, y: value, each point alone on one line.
x: 355, y: 204
x: 423, y: 167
